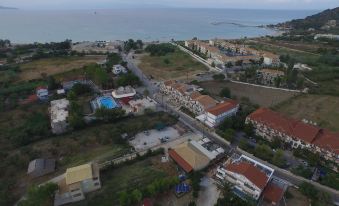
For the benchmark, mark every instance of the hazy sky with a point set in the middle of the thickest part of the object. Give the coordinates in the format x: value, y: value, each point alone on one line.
x: 97, y: 4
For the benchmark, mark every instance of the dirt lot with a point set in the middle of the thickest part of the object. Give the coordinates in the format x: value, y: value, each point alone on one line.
x: 258, y: 95
x: 318, y: 108
x: 177, y: 65
x: 298, y: 198
x: 50, y: 66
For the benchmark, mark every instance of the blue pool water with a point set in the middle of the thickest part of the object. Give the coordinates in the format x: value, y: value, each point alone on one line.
x: 108, y: 102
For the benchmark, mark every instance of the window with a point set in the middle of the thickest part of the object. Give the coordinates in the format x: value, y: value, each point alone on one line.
x: 96, y: 184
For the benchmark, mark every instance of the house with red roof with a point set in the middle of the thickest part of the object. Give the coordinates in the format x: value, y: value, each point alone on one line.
x: 271, y: 125
x: 246, y: 175
x: 273, y: 194
x: 42, y: 92
x: 215, y: 115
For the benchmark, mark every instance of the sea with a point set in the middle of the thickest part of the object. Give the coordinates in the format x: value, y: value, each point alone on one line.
x: 27, y: 26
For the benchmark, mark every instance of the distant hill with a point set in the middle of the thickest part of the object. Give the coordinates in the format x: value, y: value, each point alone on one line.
x: 3, y: 7
x: 327, y: 20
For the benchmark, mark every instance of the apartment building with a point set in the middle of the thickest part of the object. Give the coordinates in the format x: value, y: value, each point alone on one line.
x: 187, y: 96
x: 245, y: 175
x: 215, y: 115
x: 76, y: 183
x: 298, y: 134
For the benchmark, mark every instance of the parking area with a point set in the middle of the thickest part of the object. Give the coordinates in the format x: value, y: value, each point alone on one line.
x: 151, y: 138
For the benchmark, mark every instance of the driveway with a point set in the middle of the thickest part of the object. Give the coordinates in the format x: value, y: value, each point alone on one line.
x: 209, y: 193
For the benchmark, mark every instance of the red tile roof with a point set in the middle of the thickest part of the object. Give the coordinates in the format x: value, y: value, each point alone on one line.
x: 147, y: 202
x: 206, y: 101
x: 41, y: 87
x: 273, y: 193
x: 180, y: 161
x: 223, y: 107
x: 289, y: 126
x: 252, y: 173
x: 195, y: 94
x: 169, y: 82
x: 328, y: 141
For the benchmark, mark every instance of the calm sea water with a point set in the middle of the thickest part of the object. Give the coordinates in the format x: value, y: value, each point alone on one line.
x: 148, y: 24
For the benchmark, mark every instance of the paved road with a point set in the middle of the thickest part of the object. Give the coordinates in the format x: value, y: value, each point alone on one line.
x: 197, y: 127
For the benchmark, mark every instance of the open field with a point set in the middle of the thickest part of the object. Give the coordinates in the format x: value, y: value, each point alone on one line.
x: 177, y: 65
x: 318, y: 108
x: 127, y: 177
x: 51, y: 66
x: 262, y: 96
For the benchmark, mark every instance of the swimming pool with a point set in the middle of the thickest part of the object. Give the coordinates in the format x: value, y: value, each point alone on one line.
x: 107, y: 102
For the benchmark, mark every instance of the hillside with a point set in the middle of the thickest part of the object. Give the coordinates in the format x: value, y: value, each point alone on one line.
x: 327, y: 21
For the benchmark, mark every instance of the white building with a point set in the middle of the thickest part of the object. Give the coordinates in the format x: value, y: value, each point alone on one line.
x: 76, y: 183
x: 214, y: 116
x: 270, y: 59
x: 123, y: 92
x: 246, y: 175
x: 59, y: 115
x: 42, y: 93
x: 118, y: 69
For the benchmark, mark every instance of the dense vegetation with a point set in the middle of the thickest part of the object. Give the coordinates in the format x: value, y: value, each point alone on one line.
x: 131, y: 44
x: 160, y: 49
x: 315, y: 21
x: 40, y: 195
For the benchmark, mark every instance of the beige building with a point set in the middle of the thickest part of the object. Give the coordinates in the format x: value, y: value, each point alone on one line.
x: 191, y: 156
x: 76, y: 183
x: 187, y: 96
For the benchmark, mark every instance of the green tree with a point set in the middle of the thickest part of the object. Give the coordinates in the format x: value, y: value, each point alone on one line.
x: 124, y: 199
x: 263, y: 152
x: 136, y: 196
x: 219, y: 77
x: 109, y: 115
x: 308, y: 190
x: 229, y: 64
x: 128, y: 79
x: 279, y: 159
x: 225, y: 92
x: 71, y: 96
x: 249, y: 129
x: 229, y: 135
x: 40, y: 195
x: 277, y: 82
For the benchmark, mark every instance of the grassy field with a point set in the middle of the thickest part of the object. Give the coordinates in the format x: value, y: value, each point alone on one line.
x: 318, y: 108
x: 51, y: 66
x: 177, y: 65
x: 262, y: 96
x: 127, y: 177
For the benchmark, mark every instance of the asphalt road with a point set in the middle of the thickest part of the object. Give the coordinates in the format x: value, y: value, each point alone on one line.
x: 197, y: 127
